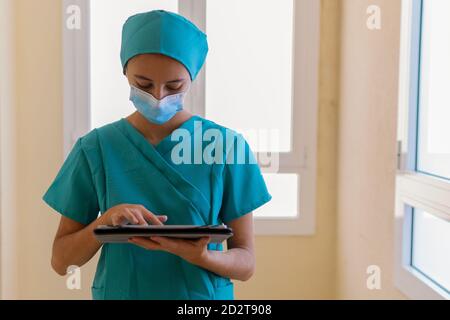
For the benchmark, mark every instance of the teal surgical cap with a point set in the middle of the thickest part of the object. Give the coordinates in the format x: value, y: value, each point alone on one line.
x: 166, y: 33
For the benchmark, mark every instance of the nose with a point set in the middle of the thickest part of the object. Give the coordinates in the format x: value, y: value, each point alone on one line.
x: 158, y: 92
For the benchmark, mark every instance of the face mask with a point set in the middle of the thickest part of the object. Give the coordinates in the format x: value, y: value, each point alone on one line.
x: 154, y: 110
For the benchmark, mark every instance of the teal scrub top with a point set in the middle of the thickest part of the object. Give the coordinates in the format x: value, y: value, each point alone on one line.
x: 115, y: 164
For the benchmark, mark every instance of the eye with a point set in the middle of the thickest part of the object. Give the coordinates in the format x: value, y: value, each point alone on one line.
x: 174, y: 89
x: 175, y: 86
x: 144, y: 87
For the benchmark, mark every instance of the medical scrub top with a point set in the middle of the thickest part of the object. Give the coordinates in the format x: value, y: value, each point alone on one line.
x: 116, y: 164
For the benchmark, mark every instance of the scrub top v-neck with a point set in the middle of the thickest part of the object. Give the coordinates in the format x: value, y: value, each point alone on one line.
x: 165, y: 144
x: 115, y: 164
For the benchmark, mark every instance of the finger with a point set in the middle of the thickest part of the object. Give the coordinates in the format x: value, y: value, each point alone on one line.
x: 130, y: 216
x: 118, y: 219
x: 202, y: 241
x: 115, y: 221
x: 166, y: 242
x: 150, y: 217
x: 163, y: 218
x: 145, y: 243
x: 141, y: 219
x: 206, y: 240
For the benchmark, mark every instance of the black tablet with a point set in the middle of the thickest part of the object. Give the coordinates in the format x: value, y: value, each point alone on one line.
x: 121, y: 234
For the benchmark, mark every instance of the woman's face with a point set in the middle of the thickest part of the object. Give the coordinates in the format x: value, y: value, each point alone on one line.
x: 157, y: 74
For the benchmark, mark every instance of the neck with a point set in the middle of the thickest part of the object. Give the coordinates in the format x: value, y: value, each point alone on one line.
x: 155, y: 132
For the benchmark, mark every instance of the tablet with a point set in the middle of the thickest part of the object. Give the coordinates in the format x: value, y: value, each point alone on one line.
x: 121, y: 234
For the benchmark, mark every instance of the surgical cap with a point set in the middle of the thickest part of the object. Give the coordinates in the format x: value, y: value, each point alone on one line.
x: 166, y: 33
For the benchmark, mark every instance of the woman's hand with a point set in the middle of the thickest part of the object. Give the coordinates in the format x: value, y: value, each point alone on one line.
x: 193, y: 251
x: 132, y: 213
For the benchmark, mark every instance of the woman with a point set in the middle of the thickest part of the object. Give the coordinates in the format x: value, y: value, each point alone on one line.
x: 129, y: 173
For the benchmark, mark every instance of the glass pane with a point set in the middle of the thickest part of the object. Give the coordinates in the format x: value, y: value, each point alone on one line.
x: 109, y: 87
x: 434, y: 109
x: 431, y: 247
x: 284, y: 191
x: 249, y: 67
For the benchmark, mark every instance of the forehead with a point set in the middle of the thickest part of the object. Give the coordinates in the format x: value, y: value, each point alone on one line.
x: 156, y: 66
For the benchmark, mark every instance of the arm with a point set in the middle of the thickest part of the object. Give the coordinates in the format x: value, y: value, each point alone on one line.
x: 75, y: 243
x: 238, y: 262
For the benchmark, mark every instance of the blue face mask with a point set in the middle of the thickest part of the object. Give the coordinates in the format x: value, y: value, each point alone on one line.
x: 154, y: 110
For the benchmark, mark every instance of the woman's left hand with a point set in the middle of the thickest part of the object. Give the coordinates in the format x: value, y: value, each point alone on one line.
x: 193, y: 251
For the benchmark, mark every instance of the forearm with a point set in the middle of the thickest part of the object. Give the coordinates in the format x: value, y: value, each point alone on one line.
x: 235, y: 263
x: 76, y: 248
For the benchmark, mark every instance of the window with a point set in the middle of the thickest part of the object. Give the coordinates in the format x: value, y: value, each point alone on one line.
x: 268, y: 87
x: 266, y: 63
x: 431, y: 247
x: 109, y: 87
x: 423, y: 181
x: 433, y: 155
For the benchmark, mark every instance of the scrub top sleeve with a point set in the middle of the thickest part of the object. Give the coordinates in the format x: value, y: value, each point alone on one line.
x: 244, y: 188
x: 72, y: 193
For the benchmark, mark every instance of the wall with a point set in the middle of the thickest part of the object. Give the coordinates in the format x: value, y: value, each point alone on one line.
x: 39, y: 135
x: 367, y: 149
x: 8, y: 218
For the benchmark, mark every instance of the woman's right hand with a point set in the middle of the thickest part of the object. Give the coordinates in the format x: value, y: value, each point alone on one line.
x: 132, y: 213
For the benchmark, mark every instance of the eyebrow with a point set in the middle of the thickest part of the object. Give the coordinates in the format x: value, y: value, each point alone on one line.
x: 148, y: 79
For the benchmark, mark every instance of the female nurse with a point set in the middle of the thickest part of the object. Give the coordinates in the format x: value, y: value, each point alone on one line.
x: 127, y: 172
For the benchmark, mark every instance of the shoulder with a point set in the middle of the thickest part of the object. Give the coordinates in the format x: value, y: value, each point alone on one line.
x: 210, y: 124
x: 89, y: 145
x: 228, y: 134
x: 90, y: 140
x: 233, y: 142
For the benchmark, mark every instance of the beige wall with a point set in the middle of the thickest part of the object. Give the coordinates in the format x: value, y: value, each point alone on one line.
x: 8, y: 243
x: 39, y: 128
x: 367, y: 149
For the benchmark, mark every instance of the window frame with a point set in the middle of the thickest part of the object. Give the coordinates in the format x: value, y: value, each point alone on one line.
x: 413, y: 189
x: 302, y: 158
x: 76, y: 79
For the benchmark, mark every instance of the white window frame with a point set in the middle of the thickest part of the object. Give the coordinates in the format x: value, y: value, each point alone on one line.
x: 413, y: 189
x: 76, y: 62
x: 301, y: 160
